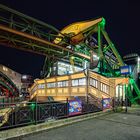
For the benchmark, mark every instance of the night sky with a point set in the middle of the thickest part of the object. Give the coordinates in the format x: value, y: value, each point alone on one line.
x: 122, y: 24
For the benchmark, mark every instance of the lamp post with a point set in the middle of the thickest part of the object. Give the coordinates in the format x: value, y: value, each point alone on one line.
x: 86, y: 72
x: 87, y: 83
x: 126, y: 70
x: 126, y: 98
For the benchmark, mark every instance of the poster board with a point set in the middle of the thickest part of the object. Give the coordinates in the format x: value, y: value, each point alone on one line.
x: 75, y: 107
x: 107, y: 103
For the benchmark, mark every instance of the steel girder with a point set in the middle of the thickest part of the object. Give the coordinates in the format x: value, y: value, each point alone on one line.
x: 26, y: 33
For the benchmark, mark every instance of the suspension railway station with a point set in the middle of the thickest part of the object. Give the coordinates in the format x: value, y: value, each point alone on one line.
x: 80, y: 60
x: 79, y: 84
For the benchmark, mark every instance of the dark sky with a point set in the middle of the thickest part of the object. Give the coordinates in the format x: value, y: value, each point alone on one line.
x: 122, y: 24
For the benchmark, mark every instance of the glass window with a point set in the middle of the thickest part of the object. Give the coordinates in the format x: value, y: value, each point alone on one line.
x: 104, y: 88
x: 75, y: 82
x: 40, y: 86
x: 62, y: 84
x: 93, y: 82
x: 90, y: 81
x: 79, y: 82
x: 50, y: 85
x: 66, y: 83
x: 59, y: 84
x: 101, y: 86
x: 82, y: 81
x: 96, y: 83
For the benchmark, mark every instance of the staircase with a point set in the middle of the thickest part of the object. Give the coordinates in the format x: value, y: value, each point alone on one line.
x: 94, y: 100
x: 4, y: 115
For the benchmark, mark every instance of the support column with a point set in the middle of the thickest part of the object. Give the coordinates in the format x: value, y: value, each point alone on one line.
x: 100, y: 53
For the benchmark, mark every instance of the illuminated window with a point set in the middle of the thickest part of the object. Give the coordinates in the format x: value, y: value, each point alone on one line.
x: 82, y: 82
x: 101, y: 86
x: 24, y: 77
x: 79, y: 82
x: 75, y: 82
x: 40, y: 86
x: 51, y: 85
x: 62, y: 84
x: 64, y: 68
x: 104, y: 88
x: 5, y: 69
x: 94, y: 82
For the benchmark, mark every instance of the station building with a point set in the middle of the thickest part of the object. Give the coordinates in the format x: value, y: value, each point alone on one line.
x: 81, y: 84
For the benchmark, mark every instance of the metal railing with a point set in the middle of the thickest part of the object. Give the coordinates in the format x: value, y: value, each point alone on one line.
x: 20, y: 114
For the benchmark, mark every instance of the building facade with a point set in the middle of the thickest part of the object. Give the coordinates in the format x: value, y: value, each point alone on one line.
x: 21, y: 81
x: 80, y: 84
x: 133, y: 60
x: 13, y: 75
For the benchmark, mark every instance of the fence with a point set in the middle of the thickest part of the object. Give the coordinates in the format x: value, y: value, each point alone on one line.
x: 19, y: 114
x: 4, y: 99
x: 26, y: 113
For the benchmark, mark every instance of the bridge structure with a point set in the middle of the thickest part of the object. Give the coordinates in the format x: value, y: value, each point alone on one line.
x: 7, y: 86
x: 77, y: 43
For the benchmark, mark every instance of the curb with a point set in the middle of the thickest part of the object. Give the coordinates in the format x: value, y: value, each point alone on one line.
x: 27, y: 130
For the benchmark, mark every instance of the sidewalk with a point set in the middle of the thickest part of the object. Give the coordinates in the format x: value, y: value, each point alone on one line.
x: 22, y: 131
x: 112, y: 126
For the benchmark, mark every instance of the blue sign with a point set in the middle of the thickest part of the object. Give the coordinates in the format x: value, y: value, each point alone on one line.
x: 125, y: 70
x: 75, y: 107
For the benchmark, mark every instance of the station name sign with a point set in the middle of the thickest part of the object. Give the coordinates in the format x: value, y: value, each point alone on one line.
x: 125, y: 70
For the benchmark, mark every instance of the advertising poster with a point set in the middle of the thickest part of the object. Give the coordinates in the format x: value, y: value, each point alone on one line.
x: 75, y: 107
x: 106, y: 103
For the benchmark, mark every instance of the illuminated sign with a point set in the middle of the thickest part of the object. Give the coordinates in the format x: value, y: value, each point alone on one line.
x: 75, y: 107
x: 125, y: 70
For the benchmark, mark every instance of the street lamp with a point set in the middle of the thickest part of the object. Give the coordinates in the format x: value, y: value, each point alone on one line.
x: 86, y: 72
